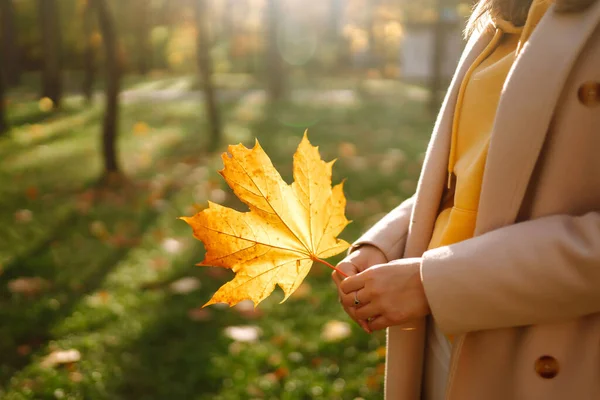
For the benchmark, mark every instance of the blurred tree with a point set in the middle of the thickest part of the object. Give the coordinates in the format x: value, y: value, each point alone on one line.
x: 142, y: 15
x: 88, y: 58
x: 373, y: 21
x: 336, y: 13
x: 205, y: 68
x: 275, y: 66
x: 9, y: 42
x: 3, y: 123
x: 336, y: 10
x: 51, y: 50
x: 227, y: 18
x: 113, y: 78
x: 163, y: 22
x: 437, y: 58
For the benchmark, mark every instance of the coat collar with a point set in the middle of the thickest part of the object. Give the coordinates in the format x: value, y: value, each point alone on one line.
x: 572, y: 5
x: 525, y: 111
x: 433, y: 178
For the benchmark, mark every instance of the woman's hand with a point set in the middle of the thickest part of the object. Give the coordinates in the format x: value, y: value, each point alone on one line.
x: 356, y: 262
x: 388, y: 294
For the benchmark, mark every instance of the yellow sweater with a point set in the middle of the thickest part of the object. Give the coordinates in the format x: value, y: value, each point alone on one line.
x: 473, y: 121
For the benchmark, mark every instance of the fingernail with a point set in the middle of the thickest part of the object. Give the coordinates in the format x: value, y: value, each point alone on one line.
x: 365, y: 327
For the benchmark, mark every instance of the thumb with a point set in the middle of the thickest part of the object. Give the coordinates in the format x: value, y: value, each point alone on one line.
x: 353, y: 283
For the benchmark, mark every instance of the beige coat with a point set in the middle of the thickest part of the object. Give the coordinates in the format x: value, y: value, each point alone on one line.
x: 523, y: 296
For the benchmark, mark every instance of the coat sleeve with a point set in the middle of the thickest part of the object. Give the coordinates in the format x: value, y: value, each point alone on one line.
x: 540, y: 271
x: 389, y: 233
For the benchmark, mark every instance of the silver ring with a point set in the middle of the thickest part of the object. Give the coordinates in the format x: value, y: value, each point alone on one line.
x: 356, y: 301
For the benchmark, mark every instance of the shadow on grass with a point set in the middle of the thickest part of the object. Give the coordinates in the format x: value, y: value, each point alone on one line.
x: 71, y: 125
x: 74, y: 257
x: 173, y: 357
x: 37, y: 116
x: 74, y: 263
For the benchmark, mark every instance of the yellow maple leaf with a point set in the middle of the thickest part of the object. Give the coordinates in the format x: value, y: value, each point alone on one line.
x: 287, y: 228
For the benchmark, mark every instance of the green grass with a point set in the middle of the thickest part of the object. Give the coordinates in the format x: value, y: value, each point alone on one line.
x: 108, y: 257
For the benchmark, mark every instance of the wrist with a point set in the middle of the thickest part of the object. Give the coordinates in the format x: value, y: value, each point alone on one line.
x: 368, y: 247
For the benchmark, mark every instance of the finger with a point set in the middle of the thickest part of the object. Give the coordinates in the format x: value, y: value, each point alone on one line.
x: 348, y: 300
x: 353, y: 283
x: 336, y: 278
x: 368, y: 311
x: 361, y: 323
x: 379, y: 323
x: 346, y: 267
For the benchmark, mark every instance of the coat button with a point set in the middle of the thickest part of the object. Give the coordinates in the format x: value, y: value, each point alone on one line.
x: 546, y: 367
x: 589, y: 94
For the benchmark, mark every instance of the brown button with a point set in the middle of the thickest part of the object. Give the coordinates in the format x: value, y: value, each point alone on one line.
x: 546, y: 367
x: 589, y: 94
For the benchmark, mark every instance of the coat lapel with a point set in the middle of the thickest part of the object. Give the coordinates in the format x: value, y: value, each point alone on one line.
x: 526, y: 107
x: 433, y: 177
x: 405, y: 343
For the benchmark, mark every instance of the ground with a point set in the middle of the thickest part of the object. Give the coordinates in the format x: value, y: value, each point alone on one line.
x: 106, y: 278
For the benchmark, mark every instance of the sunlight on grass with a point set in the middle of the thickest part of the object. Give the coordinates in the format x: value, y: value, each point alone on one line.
x: 112, y: 273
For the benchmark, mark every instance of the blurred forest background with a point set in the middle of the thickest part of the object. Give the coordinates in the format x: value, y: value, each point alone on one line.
x: 113, y: 115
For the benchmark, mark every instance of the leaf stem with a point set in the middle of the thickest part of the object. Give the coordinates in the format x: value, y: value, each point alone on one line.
x: 316, y: 259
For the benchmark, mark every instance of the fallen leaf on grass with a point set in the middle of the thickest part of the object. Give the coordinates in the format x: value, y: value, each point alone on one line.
x: 23, y: 216
x: 185, y: 285
x: 247, y: 310
x: 24, y: 349
x: 140, y: 129
x: 199, y: 314
x: 159, y: 263
x: 99, y: 230
x: 248, y: 333
x: 217, y: 273
x: 347, y: 150
x: 60, y: 357
x: 46, y: 104
x: 334, y: 331
x: 217, y: 195
x: 32, y: 192
x: 281, y: 373
x: 28, y: 286
x: 357, y: 163
x: 254, y: 391
x: 171, y: 245
x: 75, y: 376
x: 303, y: 291
x: 104, y: 296
x: 98, y: 299
x: 287, y: 228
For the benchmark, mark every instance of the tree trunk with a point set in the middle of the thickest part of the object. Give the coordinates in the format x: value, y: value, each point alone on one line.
x: 335, y: 18
x: 373, y: 20
x: 227, y: 18
x: 205, y: 68
x: 336, y: 10
x: 437, y: 58
x: 113, y: 76
x: 3, y: 123
x: 143, y: 44
x: 89, y: 70
x: 9, y: 43
x: 164, y: 17
x: 275, y: 70
x: 51, y: 49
